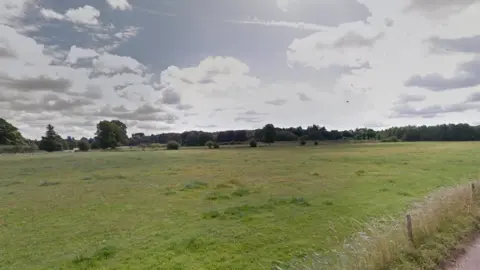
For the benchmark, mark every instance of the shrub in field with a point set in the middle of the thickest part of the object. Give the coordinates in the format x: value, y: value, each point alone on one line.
x: 209, y: 144
x: 303, y: 142
x: 83, y: 146
x: 316, y: 143
x: 155, y: 146
x: 216, y: 145
x: 173, y: 145
x: 253, y: 143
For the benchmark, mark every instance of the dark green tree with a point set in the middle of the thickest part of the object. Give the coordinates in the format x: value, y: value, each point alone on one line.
x: 286, y: 136
x: 192, y: 139
x: 107, y: 134
x: 52, y: 141
x: 204, y: 137
x: 121, y: 134
x: 9, y: 134
x: 83, y: 145
x: 173, y: 145
x: 269, y: 133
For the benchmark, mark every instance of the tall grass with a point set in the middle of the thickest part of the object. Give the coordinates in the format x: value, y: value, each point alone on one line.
x: 439, y: 222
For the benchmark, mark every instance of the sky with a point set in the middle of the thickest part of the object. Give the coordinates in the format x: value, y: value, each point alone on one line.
x: 176, y: 65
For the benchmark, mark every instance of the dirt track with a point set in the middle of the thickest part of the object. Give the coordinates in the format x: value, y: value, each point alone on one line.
x: 470, y: 260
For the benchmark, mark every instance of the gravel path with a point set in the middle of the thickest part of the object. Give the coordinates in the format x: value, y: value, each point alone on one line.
x: 470, y: 260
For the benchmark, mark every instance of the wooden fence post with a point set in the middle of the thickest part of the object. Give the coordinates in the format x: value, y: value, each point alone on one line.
x: 410, y: 229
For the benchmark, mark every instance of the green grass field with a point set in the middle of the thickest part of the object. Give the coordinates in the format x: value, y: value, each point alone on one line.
x: 238, y: 208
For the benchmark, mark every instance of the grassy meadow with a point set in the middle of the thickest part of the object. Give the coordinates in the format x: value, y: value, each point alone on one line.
x: 228, y: 208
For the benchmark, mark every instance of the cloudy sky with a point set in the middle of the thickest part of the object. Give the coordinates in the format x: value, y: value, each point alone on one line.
x: 175, y: 65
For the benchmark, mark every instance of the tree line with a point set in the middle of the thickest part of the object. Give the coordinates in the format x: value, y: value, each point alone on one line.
x: 113, y: 133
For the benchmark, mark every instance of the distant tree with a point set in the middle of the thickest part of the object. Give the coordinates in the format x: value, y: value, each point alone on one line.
x: 204, y: 137
x: 314, y: 132
x: 173, y: 145
x: 106, y: 134
x: 52, y: 141
x: 192, y: 139
x: 269, y: 133
x: 209, y: 144
x: 94, y: 144
x: 72, y: 143
x: 65, y: 145
x: 226, y: 136
x: 111, y: 133
x: 183, y: 137
x: 83, y: 145
x: 253, y: 143
x: 121, y: 133
x: 347, y: 134
x: 285, y: 136
x: 335, y: 135
x: 240, y: 135
x: 258, y: 134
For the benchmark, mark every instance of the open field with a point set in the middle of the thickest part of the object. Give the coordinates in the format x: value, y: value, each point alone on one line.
x: 238, y: 208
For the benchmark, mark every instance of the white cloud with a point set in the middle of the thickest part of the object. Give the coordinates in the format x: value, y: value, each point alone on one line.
x: 77, y: 53
x: 26, y: 49
x: 12, y: 10
x: 51, y: 14
x: 119, y: 4
x: 108, y: 63
x: 86, y: 15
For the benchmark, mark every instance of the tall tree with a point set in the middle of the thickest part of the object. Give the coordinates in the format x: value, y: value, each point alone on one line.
x: 122, y: 136
x: 269, y: 133
x: 52, y: 141
x: 107, y: 134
